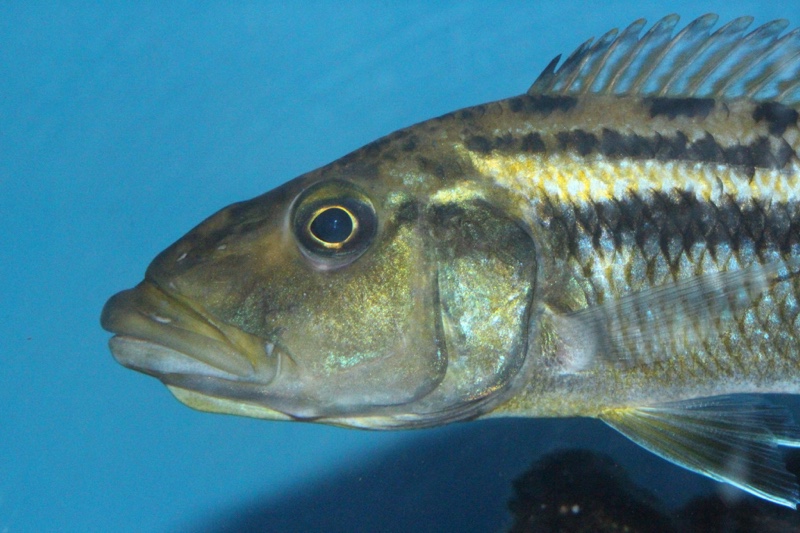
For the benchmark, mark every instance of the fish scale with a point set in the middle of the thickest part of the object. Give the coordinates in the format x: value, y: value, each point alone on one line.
x: 658, y: 244
x: 620, y: 242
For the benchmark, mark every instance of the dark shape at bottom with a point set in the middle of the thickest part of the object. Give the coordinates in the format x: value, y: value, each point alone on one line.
x: 712, y: 514
x: 582, y: 491
x: 461, y: 477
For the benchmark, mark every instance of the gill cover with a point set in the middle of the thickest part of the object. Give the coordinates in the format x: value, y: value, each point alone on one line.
x: 485, y: 271
x: 426, y: 313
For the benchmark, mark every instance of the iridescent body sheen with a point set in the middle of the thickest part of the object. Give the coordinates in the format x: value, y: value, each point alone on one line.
x: 620, y: 242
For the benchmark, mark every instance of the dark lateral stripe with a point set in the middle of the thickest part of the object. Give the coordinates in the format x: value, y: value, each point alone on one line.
x: 660, y: 220
x: 582, y: 142
x: 531, y: 142
x: 778, y: 116
x: 761, y: 153
x: 683, y: 107
x: 764, y: 152
x: 758, y: 154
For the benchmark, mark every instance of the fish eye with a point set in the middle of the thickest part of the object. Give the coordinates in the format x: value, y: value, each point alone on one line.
x: 334, y: 223
x: 333, y: 226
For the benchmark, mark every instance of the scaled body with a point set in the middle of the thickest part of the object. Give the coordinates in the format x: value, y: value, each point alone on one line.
x: 621, y: 242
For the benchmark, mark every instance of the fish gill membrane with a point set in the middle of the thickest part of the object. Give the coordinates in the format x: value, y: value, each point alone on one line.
x: 621, y: 242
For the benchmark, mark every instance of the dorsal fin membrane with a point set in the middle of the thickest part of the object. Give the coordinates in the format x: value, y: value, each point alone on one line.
x: 692, y: 63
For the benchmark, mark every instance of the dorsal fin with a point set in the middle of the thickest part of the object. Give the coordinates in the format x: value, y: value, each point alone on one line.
x: 692, y: 63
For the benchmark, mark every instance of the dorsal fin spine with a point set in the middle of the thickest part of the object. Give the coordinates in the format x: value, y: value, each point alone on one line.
x: 606, y: 41
x: 776, y: 71
x: 702, y: 26
x: 726, y: 38
x: 693, y: 63
x: 768, y: 31
x: 582, y: 61
x: 631, y: 31
x: 661, y: 31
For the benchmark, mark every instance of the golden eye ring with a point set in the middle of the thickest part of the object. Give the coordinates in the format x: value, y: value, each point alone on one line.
x: 334, y: 223
x: 332, y: 226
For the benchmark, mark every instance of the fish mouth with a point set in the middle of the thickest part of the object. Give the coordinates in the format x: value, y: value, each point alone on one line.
x: 205, y: 363
x: 213, y: 366
x: 166, y: 336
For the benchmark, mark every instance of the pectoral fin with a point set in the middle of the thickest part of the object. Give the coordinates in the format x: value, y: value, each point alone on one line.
x: 733, y: 439
x: 667, y: 320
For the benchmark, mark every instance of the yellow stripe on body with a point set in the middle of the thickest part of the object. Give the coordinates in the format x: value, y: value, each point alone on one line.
x: 568, y: 177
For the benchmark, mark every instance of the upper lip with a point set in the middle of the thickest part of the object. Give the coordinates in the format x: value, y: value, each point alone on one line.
x: 160, y: 333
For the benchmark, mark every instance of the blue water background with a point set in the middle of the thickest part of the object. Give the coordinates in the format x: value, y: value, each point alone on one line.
x: 124, y: 124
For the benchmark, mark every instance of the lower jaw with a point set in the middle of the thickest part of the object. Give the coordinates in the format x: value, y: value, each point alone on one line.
x: 212, y: 404
x: 158, y: 360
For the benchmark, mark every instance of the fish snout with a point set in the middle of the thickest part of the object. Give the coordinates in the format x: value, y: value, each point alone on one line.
x: 171, y: 338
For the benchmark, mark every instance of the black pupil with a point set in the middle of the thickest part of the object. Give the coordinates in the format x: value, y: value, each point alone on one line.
x: 333, y: 225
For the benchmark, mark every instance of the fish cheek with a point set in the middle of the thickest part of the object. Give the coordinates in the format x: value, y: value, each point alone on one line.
x: 364, y: 335
x: 486, y: 265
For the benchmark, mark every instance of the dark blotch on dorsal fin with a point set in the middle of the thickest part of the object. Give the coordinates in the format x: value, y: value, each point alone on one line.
x: 763, y: 65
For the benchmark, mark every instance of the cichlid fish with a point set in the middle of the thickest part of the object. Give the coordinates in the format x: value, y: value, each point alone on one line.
x: 620, y: 242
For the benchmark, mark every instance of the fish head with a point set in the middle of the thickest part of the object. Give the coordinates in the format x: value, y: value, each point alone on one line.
x: 352, y: 295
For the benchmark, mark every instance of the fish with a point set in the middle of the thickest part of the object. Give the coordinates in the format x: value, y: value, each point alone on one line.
x: 621, y: 242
